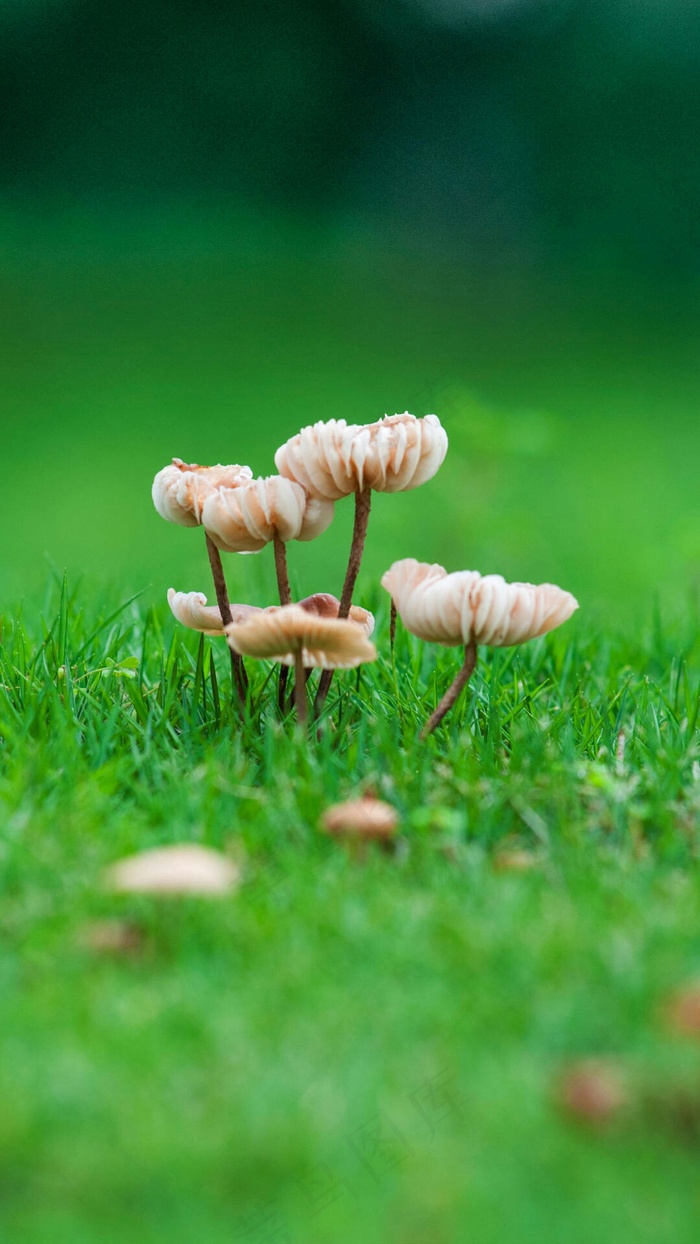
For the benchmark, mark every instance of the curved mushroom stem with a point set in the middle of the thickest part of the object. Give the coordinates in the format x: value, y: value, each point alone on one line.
x: 300, y: 690
x: 281, y: 570
x: 392, y: 625
x: 453, y: 691
x: 238, y: 674
x: 363, y: 504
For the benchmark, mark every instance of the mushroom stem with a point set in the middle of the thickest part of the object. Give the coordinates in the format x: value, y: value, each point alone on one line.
x: 453, y: 691
x: 282, y: 689
x: 300, y: 689
x: 238, y: 674
x: 281, y: 570
x: 363, y: 503
x: 392, y: 624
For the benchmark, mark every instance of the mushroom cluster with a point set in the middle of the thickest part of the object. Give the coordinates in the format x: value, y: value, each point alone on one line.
x: 318, y: 467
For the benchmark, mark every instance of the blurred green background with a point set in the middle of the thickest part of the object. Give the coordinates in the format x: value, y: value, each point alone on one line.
x: 220, y: 222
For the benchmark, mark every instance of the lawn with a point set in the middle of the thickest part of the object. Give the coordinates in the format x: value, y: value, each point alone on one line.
x: 347, y: 1050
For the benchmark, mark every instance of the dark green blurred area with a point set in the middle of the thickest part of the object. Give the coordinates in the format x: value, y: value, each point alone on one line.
x: 220, y: 222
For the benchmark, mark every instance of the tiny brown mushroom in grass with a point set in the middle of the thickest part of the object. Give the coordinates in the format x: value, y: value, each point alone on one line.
x: 592, y: 1091
x: 361, y: 821
x: 336, y: 459
x: 471, y: 609
x: 294, y: 636
x: 179, y: 493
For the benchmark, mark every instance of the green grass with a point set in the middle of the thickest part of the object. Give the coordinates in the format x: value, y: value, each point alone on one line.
x: 238, y: 1064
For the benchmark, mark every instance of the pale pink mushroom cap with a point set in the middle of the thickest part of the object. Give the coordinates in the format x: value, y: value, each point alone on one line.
x: 191, y: 609
x: 279, y: 633
x: 246, y: 518
x: 180, y: 490
x: 334, y: 459
x: 454, y: 609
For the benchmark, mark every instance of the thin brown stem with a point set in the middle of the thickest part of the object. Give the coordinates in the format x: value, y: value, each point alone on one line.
x: 392, y: 625
x: 238, y: 674
x: 363, y: 504
x: 300, y: 699
x: 282, y: 689
x: 282, y: 573
x: 453, y: 691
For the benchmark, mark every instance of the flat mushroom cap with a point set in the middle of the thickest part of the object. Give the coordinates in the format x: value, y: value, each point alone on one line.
x: 180, y: 490
x: 246, y: 518
x: 366, y: 817
x: 454, y: 609
x: 191, y: 609
x: 327, y: 606
x: 185, y: 868
x: 334, y: 459
x: 279, y: 633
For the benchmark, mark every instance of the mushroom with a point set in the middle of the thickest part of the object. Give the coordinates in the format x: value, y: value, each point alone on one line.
x: 191, y: 609
x: 294, y: 636
x: 180, y: 490
x: 466, y: 608
x: 245, y: 518
x: 336, y: 459
x: 362, y: 820
x: 185, y: 868
x: 179, y: 493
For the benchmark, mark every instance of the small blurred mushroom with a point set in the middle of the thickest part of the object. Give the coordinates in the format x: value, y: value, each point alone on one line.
x: 591, y: 1091
x: 361, y: 821
x: 120, y: 938
x: 185, y: 868
x: 682, y: 1010
x: 513, y: 860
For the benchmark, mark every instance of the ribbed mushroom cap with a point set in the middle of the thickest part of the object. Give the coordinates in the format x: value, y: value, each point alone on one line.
x: 183, y: 869
x: 454, y: 609
x: 180, y: 490
x: 334, y: 459
x: 279, y: 633
x: 366, y: 817
x: 246, y: 518
x: 191, y: 609
x: 327, y: 606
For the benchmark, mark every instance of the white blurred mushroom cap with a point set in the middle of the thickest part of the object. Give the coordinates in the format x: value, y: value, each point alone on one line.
x: 185, y: 868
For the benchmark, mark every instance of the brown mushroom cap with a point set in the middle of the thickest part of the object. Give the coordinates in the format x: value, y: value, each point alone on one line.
x: 280, y: 633
x: 180, y: 490
x: 334, y: 459
x: 454, y: 609
x: 365, y: 817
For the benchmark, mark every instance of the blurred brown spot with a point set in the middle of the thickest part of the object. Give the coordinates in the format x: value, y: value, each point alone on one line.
x: 683, y: 1010
x: 513, y: 861
x: 113, y: 937
x: 591, y: 1091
